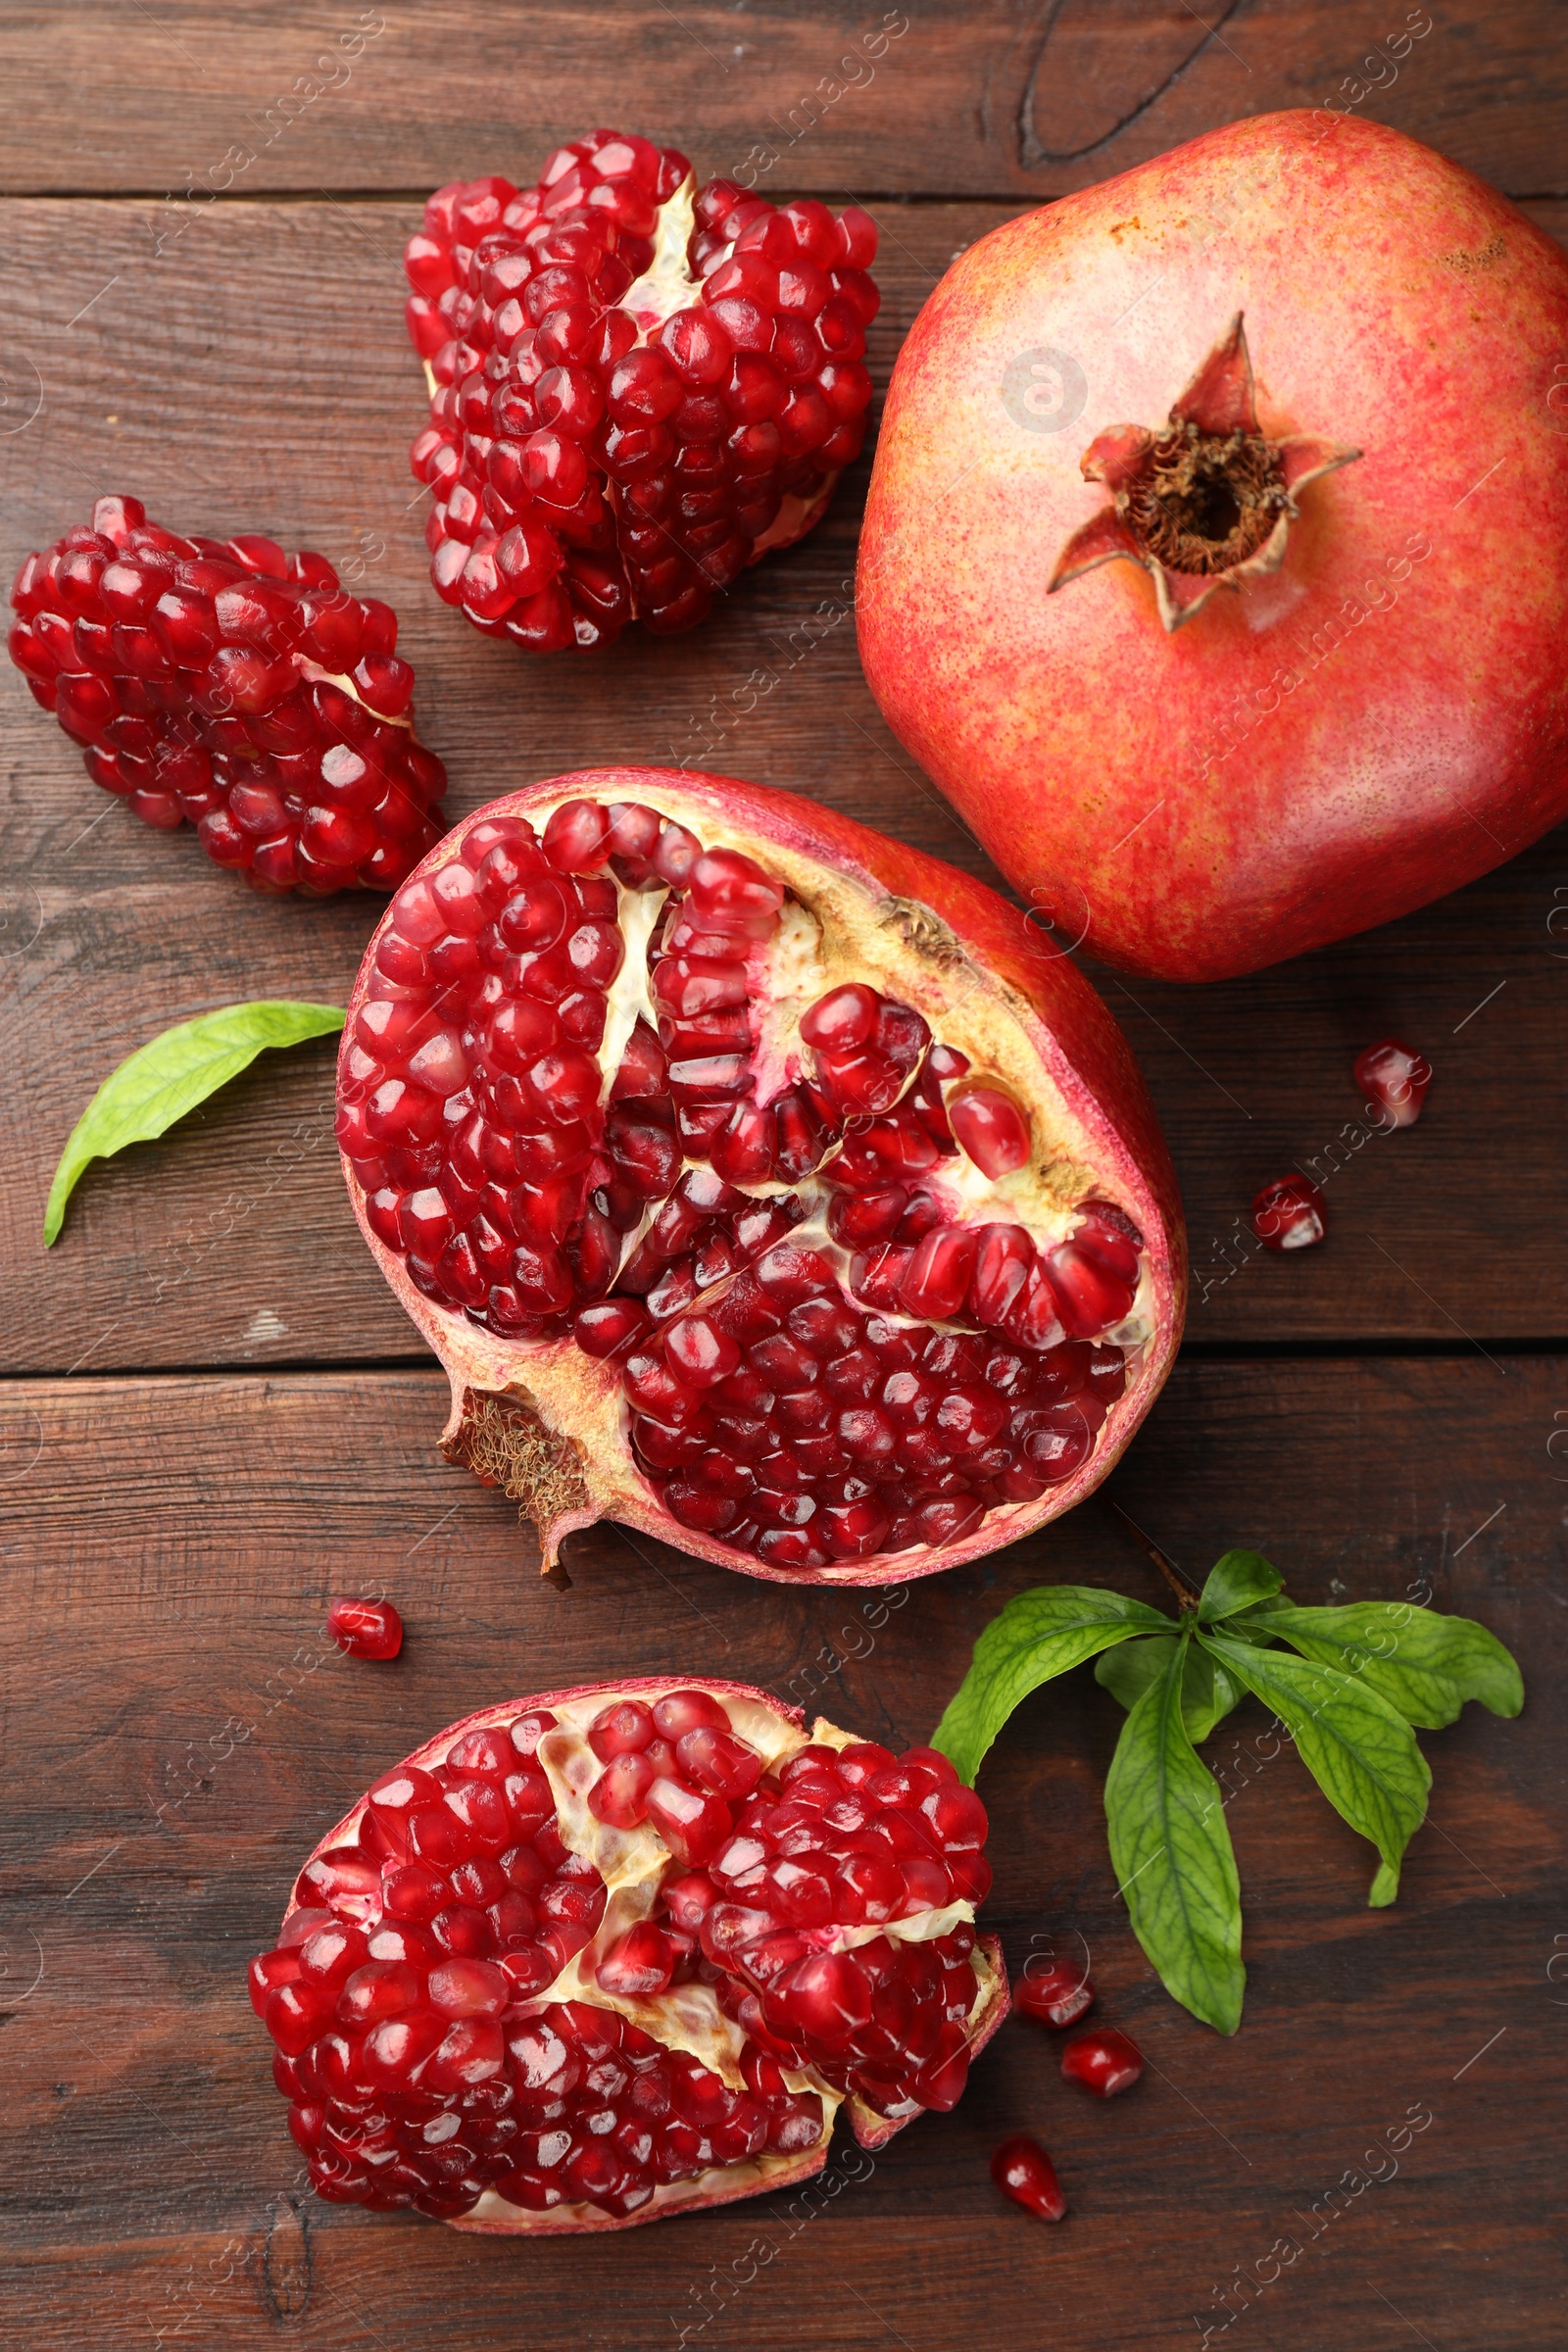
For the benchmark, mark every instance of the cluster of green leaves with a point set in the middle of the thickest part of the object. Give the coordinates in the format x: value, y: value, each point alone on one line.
x: 1360, y: 1681
x: 170, y: 1075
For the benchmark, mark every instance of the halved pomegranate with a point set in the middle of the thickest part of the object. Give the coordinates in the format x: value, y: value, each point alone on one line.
x: 757, y: 1180
x: 637, y: 387
x: 587, y: 1959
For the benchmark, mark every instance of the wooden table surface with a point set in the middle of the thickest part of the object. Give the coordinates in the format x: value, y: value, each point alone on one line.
x: 213, y: 1417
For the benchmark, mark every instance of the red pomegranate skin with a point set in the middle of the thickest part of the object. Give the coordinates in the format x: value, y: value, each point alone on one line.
x: 1383, y: 718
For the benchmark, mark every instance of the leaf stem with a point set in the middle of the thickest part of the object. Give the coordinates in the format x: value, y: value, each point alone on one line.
x: 1186, y: 1591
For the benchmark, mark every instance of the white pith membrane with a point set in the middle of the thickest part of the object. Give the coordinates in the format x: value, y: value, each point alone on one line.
x: 830, y: 929
x: 634, y: 1864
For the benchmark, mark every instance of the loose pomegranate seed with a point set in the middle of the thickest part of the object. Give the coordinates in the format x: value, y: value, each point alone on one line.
x: 1289, y: 1214
x: 430, y: 2059
x: 791, y: 1401
x: 1394, y: 1080
x: 365, y: 1629
x: 1104, y: 2061
x: 225, y: 684
x: 1056, y: 1996
x: 1022, y: 2171
x: 638, y: 388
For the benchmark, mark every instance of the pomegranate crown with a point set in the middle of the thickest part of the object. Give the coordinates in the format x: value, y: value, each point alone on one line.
x: 1204, y: 501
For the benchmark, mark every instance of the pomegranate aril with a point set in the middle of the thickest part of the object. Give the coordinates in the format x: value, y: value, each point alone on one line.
x: 641, y: 1962
x: 991, y: 1129
x: 1023, y: 2172
x: 1056, y: 1996
x: 717, y: 1762
x: 688, y: 1710
x: 365, y: 1629
x: 626, y: 1725
x: 1394, y: 1080
x: 935, y: 1281
x: 1103, y: 2061
x: 620, y: 1796
x: 1289, y: 1214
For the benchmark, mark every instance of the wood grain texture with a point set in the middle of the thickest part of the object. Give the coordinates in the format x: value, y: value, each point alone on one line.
x: 953, y: 97
x: 181, y: 1734
x: 254, y: 374
x: 202, y: 303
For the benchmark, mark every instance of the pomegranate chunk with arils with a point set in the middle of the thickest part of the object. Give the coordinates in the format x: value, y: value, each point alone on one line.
x: 225, y: 684
x: 637, y: 387
x: 801, y: 1276
x: 469, y: 2023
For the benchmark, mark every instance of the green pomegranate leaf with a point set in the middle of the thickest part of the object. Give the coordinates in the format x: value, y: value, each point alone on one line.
x: 1171, y: 1850
x: 1237, y: 1580
x: 1208, y: 1690
x: 1358, y: 1749
x: 1424, y: 1664
x: 1038, y: 1635
x: 166, y: 1078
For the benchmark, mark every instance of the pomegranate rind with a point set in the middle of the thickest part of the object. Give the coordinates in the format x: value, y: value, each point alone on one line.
x: 546, y: 1422
x: 1268, y: 779
x: 493, y: 2216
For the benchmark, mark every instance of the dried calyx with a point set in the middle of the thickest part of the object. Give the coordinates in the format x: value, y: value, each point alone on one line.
x: 770, y: 1259
x: 1207, y: 499
x: 594, y: 1957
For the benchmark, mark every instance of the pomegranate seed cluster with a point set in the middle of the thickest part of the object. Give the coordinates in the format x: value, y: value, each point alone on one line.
x: 634, y: 391
x: 226, y: 684
x: 438, y: 1999
x: 779, y: 1868
x: 549, y: 1161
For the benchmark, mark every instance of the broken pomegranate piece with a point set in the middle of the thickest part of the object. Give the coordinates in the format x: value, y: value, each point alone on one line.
x: 637, y: 387
x: 495, y: 2000
x: 1394, y: 1081
x: 225, y: 684
x: 808, y: 1274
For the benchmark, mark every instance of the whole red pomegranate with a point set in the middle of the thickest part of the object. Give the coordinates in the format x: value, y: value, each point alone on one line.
x: 1077, y: 458
x: 637, y: 386
x: 622, y: 1951
x: 221, y: 683
x: 760, y: 1182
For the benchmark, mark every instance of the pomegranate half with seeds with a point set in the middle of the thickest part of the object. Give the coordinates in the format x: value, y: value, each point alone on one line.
x: 637, y: 386
x: 591, y: 1958
x: 759, y: 1181
x: 221, y: 683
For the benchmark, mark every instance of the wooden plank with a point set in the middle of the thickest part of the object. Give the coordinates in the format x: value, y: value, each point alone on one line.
x: 271, y: 389
x: 179, y: 1734
x: 949, y: 98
